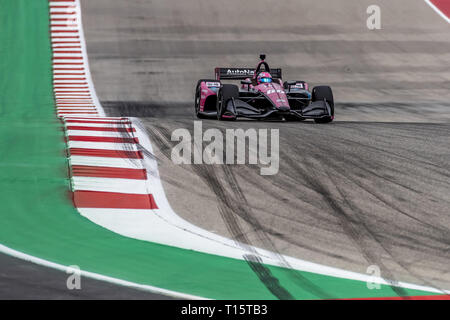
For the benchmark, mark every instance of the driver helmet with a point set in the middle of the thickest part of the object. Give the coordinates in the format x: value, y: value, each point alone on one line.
x: 264, y: 77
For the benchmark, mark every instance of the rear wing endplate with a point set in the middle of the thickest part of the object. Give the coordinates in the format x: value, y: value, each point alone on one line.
x: 241, y: 73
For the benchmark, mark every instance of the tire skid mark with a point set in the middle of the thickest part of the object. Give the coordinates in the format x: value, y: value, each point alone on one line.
x: 273, y: 232
x: 232, y: 205
x: 208, y: 174
x: 371, y: 257
x: 350, y: 224
x: 437, y: 228
x: 245, y: 209
x: 377, y: 195
x: 438, y: 169
x: 365, y: 167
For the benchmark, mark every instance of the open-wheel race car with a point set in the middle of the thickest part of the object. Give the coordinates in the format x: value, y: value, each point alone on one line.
x: 261, y: 95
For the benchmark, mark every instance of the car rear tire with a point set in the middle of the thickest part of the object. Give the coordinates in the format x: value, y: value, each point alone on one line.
x: 321, y: 93
x: 226, y: 92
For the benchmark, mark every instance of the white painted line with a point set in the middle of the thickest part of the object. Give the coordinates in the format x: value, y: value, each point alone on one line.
x: 70, y: 77
x: 57, y: 73
x: 68, y: 65
x: 56, y: 34
x: 77, y: 111
x: 66, y: 60
x: 67, y: 55
x: 99, y: 133
x: 71, y: 45
x: 87, y: 107
x: 99, y: 125
x: 106, y: 162
x: 56, y: 81
x: 74, y: 100
x: 96, y: 276
x: 65, y: 40
x: 75, y: 105
x: 103, y: 145
x: 439, y: 12
x: 133, y: 186
x: 72, y: 109
x: 75, y: 95
x: 74, y: 112
x: 104, y: 119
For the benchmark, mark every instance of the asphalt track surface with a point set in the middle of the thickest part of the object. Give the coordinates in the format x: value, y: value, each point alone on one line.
x: 28, y: 281
x: 372, y: 188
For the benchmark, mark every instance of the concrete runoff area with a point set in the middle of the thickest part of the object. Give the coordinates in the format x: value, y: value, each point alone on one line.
x: 369, y: 189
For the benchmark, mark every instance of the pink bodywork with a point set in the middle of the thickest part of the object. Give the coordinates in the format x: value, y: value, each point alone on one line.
x: 274, y: 91
x: 207, y: 89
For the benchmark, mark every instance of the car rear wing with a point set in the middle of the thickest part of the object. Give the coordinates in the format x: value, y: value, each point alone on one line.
x: 241, y: 73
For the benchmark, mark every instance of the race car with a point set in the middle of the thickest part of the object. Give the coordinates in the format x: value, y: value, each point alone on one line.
x: 261, y: 95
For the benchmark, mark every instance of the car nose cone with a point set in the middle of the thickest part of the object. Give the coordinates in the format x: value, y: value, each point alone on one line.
x: 284, y: 108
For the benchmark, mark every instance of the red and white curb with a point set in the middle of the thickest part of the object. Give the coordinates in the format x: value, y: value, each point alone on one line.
x: 72, y: 83
x: 107, y: 169
x: 114, y: 175
x: 106, y: 165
